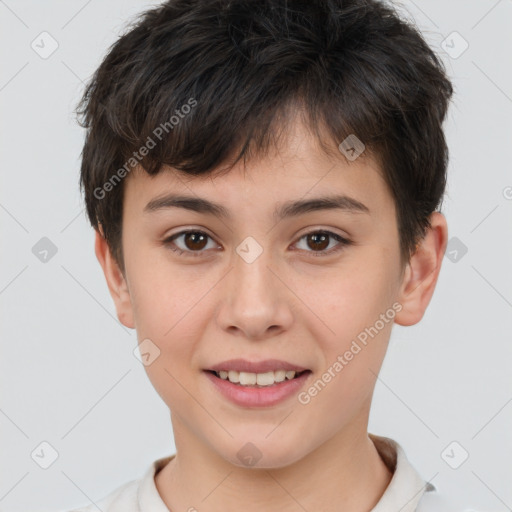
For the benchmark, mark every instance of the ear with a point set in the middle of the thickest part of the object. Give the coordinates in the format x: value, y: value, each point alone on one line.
x: 115, y: 280
x: 421, y: 273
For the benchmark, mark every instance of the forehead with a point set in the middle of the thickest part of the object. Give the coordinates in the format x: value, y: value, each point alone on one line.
x: 297, y: 170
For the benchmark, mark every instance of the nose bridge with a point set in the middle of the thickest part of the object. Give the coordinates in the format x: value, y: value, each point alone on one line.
x: 251, y: 275
x: 254, y: 301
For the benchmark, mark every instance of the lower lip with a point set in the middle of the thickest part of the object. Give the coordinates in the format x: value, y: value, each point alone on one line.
x: 247, y: 396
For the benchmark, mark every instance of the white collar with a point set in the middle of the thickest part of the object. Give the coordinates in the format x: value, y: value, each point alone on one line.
x: 406, y: 487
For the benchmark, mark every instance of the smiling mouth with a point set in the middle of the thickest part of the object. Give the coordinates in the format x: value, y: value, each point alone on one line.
x: 257, y: 380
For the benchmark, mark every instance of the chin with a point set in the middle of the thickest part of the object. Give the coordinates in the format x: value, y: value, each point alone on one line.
x: 263, y: 455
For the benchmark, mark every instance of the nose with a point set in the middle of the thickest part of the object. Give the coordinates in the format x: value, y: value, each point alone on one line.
x: 255, y: 300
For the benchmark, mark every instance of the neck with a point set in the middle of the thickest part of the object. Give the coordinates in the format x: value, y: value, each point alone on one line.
x: 344, y: 473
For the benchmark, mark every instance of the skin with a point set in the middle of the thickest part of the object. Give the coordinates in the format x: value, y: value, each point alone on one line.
x: 288, y: 304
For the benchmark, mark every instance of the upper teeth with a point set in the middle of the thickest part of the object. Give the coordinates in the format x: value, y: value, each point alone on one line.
x: 261, y: 379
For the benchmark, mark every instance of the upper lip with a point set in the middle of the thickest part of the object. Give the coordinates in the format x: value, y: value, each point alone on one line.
x: 268, y: 365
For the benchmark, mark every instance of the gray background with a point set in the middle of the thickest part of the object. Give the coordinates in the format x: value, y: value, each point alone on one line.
x: 68, y: 373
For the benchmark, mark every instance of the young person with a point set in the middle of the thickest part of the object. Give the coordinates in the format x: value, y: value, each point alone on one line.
x: 264, y: 179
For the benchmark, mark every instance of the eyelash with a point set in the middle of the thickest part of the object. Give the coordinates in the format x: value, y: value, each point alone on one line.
x: 343, y: 242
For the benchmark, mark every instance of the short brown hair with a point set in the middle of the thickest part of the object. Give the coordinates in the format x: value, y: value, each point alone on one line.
x: 353, y: 66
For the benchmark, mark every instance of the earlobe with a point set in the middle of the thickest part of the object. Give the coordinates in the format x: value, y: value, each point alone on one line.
x: 116, y: 282
x: 422, y: 272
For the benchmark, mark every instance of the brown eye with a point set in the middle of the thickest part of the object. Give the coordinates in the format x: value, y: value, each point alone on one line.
x: 193, y: 243
x: 317, y: 243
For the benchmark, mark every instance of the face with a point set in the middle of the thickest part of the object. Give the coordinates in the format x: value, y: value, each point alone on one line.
x: 317, y: 288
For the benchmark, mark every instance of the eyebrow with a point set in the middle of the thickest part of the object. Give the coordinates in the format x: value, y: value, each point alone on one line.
x: 285, y: 210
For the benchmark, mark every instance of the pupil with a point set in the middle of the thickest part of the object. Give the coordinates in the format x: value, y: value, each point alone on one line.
x: 194, y: 237
x: 319, y: 245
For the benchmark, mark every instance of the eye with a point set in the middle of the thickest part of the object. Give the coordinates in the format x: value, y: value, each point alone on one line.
x: 319, y: 240
x: 195, y: 241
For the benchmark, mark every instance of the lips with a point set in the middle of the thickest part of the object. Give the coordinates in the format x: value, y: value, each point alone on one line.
x: 268, y: 365
x: 268, y: 393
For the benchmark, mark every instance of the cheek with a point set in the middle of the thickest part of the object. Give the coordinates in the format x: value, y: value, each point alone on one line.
x: 353, y: 340
x: 163, y: 296
x: 173, y: 309
x: 168, y: 313
x: 344, y: 316
x: 349, y: 300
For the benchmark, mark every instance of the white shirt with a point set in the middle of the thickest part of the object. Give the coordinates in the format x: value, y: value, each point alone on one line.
x: 406, y: 492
